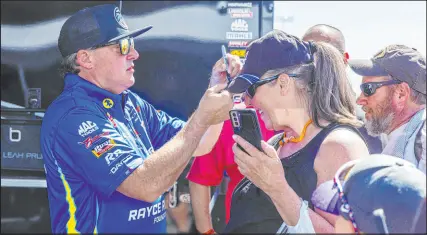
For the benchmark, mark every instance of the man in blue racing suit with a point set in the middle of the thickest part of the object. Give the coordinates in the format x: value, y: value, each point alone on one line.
x: 109, y: 155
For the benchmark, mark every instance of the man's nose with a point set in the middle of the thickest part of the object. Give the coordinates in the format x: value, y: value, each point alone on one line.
x: 133, y: 54
x: 361, y: 100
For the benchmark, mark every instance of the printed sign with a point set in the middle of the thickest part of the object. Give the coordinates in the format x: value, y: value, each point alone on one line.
x: 238, y: 35
x: 234, y: 44
x: 240, y: 12
x: 20, y: 145
x: 239, y: 4
x: 239, y: 25
x: 239, y: 53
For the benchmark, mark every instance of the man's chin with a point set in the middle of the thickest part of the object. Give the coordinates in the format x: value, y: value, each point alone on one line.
x: 370, y: 128
x: 376, y: 127
x: 130, y: 83
x: 368, y: 116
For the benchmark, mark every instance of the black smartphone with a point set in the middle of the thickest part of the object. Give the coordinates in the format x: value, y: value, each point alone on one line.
x: 246, y: 125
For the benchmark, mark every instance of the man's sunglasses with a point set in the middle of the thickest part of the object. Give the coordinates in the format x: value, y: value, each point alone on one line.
x: 369, y: 88
x: 125, y: 45
x: 250, y: 92
x: 344, y: 207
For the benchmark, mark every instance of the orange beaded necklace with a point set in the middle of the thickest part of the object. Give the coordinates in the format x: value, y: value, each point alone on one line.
x: 292, y: 139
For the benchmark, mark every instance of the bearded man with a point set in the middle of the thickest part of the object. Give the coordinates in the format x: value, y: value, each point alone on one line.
x: 394, y: 99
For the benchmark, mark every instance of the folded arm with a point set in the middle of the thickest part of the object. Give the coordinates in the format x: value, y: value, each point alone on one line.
x: 334, y: 151
x: 163, y: 167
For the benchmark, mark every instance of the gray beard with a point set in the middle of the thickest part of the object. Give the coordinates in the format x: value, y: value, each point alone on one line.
x: 377, y: 126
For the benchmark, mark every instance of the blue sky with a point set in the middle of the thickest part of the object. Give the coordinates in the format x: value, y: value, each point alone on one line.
x: 367, y: 26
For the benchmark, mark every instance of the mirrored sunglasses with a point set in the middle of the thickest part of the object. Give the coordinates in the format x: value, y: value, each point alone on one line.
x: 125, y: 45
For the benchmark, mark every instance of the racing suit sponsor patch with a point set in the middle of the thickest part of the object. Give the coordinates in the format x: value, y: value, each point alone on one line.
x: 90, y: 140
x: 114, y: 169
x: 156, y: 211
x: 108, y: 103
x: 103, y: 147
x: 87, y: 127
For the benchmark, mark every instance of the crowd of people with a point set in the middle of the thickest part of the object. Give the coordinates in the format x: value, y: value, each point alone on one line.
x: 111, y: 157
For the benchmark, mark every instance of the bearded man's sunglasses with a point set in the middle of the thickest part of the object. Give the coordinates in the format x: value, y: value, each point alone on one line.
x: 369, y: 88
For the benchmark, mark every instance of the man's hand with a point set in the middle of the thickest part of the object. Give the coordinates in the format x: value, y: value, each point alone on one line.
x: 218, y: 71
x: 214, y: 106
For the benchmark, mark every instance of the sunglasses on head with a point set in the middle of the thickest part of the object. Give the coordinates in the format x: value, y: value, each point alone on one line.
x: 250, y: 92
x: 369, y: 88
x: 125, y: 45
x: 345, y: 210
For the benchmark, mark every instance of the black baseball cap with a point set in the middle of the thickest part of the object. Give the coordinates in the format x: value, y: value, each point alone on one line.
x: 274, y: 50
x: 401, y: 62
x: 378, y: 182
x: 94, y: 26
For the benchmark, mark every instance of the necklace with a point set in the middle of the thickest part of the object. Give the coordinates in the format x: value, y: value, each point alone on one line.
x: 292, y: 139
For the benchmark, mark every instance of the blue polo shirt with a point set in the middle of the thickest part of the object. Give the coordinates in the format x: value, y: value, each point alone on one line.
x: 91, y: 141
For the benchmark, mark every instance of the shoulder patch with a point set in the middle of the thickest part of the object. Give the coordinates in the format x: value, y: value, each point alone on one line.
x: 103, y: 147
x: 108, y: 103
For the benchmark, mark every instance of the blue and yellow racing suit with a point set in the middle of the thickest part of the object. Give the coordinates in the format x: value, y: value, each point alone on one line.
x: 91, y: 141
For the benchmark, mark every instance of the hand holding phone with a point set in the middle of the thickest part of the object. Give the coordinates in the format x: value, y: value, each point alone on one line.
x: 246, y: 125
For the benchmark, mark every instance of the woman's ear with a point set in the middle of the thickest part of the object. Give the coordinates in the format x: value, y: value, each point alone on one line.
x: 84, y: 59
x: 284, y: 83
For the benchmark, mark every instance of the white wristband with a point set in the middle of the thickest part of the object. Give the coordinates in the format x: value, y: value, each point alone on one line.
x: 304, y: 224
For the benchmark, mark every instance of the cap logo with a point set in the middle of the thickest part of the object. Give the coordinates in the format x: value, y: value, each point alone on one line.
x: 119, y: 18
x: 108, y: 103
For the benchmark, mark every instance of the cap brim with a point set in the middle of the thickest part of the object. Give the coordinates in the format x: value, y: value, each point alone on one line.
x: 241, y: 83
x: 367, y: 68
x: 133, y: 34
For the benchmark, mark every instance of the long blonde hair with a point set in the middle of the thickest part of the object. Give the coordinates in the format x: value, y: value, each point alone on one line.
x: 324, y: 87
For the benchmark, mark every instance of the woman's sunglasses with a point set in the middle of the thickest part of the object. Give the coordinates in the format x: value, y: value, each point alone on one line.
x: 369, y: 88
x: 125, y: 45
x: 250, y: 92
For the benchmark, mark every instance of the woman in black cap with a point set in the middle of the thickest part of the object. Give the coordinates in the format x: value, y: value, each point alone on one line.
x: 301, y: 88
